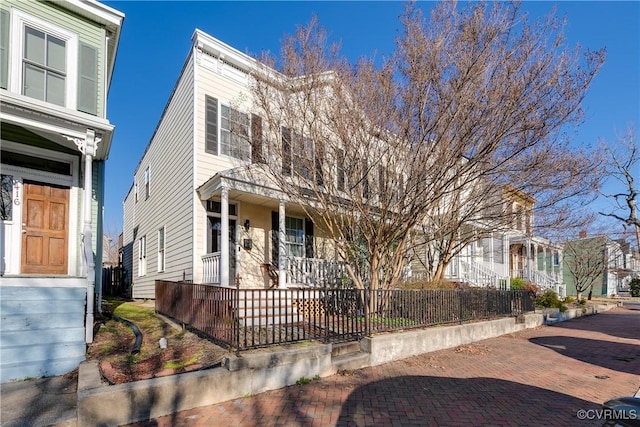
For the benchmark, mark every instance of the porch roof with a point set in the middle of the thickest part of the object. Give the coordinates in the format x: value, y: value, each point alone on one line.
x: 252, y: 179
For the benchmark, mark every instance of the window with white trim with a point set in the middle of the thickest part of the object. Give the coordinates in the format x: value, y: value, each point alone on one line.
x: 135, y: 189
x: 227, y: 130
x: 44, y: 63
x: 147, y: 182
x: 142, y: 256
x: 161, y: 249
x: 294, y: 236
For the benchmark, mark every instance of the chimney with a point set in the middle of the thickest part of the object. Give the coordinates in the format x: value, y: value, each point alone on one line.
x: 582, y: 234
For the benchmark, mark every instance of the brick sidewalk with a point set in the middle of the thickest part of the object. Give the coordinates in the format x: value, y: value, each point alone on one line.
x: 538, y: 377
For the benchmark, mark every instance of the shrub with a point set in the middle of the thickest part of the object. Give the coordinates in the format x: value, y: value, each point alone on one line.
x: 549, y: 299
x: 531, y: 287
x: 516, y: 283
x: 568, y: 300
x: 634, y: 287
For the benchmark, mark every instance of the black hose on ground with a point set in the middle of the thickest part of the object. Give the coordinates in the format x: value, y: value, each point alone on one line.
x: 138, y: 343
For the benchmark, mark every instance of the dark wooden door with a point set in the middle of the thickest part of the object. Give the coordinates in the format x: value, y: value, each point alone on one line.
x: 45, y: 229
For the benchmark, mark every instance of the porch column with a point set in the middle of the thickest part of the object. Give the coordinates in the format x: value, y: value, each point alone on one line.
x: 282, y: 255
x: 224, y: 237
x: 491, y: 260
x: 560, y: 267
x: 528, y: 255
x: 459, y: 261
x: 88, y: 263
x: 506, y: 254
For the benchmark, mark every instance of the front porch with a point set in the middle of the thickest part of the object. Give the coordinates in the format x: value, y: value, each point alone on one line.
x: 298, y: 271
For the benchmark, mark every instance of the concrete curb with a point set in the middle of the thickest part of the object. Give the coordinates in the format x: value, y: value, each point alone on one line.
x: 263, y: 370
x: 552, y: 316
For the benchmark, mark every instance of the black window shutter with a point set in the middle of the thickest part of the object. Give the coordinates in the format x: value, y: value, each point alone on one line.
x: 211, y: 119
x: 286, y: 151
x: 256, y: 139
x: 275, y: 238
x: 308, y: 240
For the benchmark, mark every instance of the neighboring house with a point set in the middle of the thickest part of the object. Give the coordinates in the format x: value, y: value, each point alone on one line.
x: 598, y: 261
x: 630, y: 265
x: 56, y: 63
x: 512, y: 253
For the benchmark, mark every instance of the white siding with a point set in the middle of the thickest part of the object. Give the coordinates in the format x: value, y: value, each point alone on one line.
x: 170, y: 159
x: 229, y: 90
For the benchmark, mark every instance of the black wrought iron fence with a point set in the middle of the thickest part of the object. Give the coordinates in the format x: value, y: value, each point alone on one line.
x: 244, y: 319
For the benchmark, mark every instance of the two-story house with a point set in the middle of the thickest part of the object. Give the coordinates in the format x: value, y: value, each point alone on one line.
x: 56, y: 64
x: 597, y: 262
x: 198, y: 209
x: 511, y: 250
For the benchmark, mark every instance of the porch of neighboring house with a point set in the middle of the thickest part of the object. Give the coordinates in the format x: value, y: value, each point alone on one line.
x: 538, y: 261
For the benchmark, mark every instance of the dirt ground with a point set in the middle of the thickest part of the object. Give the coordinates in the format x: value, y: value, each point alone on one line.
x: 114, y: 340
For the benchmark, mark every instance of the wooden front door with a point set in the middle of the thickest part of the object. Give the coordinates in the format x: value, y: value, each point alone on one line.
x: 45, y: 229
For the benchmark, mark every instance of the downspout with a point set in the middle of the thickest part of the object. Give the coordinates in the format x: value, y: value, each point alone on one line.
x: 87, y: 241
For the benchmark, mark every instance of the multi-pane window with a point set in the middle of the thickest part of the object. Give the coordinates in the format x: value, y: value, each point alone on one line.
x: 44, y: 69
x: 294, y: 236
x: 227, y: 130
x: 142, y: 256
x: 147, y: 182
x: 161, y: 249
x: 234, y: 133
x: 300, y: 155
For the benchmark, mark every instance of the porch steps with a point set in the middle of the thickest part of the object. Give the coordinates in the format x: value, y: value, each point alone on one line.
x: 348, y: 356
x: 263, y: 309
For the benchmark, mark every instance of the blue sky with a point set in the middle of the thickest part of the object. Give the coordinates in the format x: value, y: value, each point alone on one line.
x: 156, y: 38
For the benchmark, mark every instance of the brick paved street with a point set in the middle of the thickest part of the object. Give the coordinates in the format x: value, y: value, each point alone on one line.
x: 538, y: 377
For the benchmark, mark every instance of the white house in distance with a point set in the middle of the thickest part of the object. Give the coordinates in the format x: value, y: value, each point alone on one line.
x: 196, y: 182
x: 56, y: 64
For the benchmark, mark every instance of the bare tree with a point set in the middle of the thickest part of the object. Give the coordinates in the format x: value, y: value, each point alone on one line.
x: 586, y: 262
x: 472, y: 101
x: 621, y: 162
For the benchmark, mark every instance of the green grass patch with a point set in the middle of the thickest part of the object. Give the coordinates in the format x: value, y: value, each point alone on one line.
x: 176, y: 364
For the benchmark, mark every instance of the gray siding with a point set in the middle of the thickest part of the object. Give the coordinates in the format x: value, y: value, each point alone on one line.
x: 169, y: 157
x: 42, y: 331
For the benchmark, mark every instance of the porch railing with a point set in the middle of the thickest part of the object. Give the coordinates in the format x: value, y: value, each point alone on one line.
x: 479, y: 275
x: 313, y: 272
x: 545, y: 280
x: 244, y: 319
x: 211, y: 268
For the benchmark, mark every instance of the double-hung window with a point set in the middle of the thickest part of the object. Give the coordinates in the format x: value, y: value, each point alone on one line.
x: 44, y: 68
x: 234, y: 133
x: 45, y: 62
x: 227, y: 130
x: 142, y: 256
x: 161, y: 249
x: 147, y: 182
x: 294, y: 236
x: 300, y: 155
